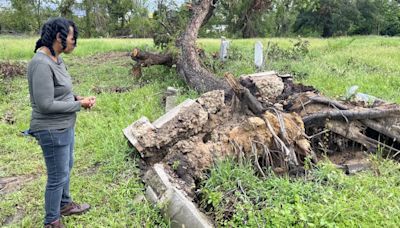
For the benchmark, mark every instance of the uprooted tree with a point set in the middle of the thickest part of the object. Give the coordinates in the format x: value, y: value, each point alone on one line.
x: 265, y: 117
x: 187, y: 60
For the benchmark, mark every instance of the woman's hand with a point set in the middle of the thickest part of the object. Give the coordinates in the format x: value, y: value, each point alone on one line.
x: 93, y: 101
x: 88, y: 102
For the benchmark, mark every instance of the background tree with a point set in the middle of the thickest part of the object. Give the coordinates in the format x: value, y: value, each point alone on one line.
x: 140, y: 25
x: 327, y: 18
x: 231, y: 18
x: 244, y: 17
x: 22, y: 12
x: 169, y: 21
x: 65, y: 8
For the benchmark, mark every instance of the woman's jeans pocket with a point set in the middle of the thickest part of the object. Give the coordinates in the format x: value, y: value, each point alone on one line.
x: 58, y: 137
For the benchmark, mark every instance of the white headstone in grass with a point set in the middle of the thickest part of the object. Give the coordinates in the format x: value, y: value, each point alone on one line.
x: 258, y: 54
x: 223, y: 52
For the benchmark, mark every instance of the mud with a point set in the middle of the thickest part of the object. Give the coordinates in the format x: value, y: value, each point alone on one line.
x: 13, y: 184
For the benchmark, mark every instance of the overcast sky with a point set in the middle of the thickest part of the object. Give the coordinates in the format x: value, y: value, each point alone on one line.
x: 152, y: 4
x: 5, y: 3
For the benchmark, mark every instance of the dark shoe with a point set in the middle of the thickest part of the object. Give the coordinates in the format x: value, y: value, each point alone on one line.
x: 74, y: 209
x: 55, y: 224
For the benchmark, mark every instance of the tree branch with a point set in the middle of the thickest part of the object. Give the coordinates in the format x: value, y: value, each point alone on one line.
x: 351, y: 115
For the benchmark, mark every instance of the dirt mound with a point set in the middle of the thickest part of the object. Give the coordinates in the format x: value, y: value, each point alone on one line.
x: 278, y: 129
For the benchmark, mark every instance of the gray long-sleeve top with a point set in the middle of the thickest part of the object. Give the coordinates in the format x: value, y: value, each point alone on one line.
x: 50, y: 88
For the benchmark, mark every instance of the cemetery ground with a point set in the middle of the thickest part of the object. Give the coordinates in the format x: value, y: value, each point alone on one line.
x: 106, y: 172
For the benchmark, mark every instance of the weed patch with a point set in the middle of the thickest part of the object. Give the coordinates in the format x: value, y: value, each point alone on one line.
x: 325, y: 196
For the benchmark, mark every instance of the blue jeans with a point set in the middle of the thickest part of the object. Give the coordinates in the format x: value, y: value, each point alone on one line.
x: 58, y: 149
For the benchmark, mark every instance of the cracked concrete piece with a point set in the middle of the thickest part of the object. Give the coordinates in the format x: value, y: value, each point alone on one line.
x: 175, y: 205
x: 181, y: 122
x: 173, y: 113
x: 183, y: 213
x: 212, y: 101
x: 135, y: 132
x: 269, y: 84
x: 158, y: 178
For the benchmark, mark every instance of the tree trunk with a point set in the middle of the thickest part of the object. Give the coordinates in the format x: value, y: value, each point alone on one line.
x: 146, y: 59
x: 188, y: 64
x: 88, y: 9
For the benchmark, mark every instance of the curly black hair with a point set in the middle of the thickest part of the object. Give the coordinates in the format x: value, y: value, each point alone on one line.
x: 49, y: 33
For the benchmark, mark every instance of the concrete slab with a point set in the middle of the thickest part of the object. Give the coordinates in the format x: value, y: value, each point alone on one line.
x: 172, y: 113
x: 269, y: 84
x: 183, y: 121
x: 176, y: 207
x: 134, y: 132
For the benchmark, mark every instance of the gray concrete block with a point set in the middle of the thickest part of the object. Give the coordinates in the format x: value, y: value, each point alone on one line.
x: 169, y: 116
x: 353, y: 168
x: 151, y: 195
x: 136, y: 130
x: 157, y: 179
x: 176, y: 207
x: 183, y: 121
x: 269, y: 84
x: 183, y: 213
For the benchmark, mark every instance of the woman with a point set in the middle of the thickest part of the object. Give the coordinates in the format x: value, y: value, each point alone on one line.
x: 54, y: 108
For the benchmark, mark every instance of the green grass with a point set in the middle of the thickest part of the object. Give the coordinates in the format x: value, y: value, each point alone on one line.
x: 332, y: 65
x: 326, y: 197
x: 21, y: 48
x: 106, y: 174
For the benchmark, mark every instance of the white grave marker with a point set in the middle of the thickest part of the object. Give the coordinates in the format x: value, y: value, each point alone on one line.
x: 223, y: 52
x: 258, y: 54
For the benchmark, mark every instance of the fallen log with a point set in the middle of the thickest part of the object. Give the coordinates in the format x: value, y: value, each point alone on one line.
x: 353, y: 131
x: 385, y: 126
x: 146, y: 59
x: 377, y: 127
x: 329, y: 102
x: 382, y: 128
x: 350, y: 115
